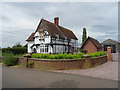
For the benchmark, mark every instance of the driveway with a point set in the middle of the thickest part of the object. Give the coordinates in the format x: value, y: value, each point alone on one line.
x: 116, y: 57
x: 27, y: 78
x: 108, y: 70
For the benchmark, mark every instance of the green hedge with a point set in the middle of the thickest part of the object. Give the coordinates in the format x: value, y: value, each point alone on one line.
x: 15, y: 50
x: 57, y: 56
x: 96, y: 54
x: 66, y: 56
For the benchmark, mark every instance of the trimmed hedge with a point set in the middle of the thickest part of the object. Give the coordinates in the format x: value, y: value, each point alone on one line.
x: 15, y: 50
x: 66, y: 56
x: 57, y: 56
x: 96, y: 54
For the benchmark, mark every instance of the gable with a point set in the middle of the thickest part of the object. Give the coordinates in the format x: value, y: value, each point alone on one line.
x: 55, y: 30
x: 89, y: 44
x: 94, y: 41
x: 31, y: 37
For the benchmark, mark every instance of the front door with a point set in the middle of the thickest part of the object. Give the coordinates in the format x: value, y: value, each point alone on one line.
x: 34, y: 50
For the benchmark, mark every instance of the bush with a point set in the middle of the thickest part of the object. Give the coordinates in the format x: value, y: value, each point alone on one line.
x: 9, y: 59
x: 83, y: 51
x: 66, y: 56
x: 96, y: 54
x: 41, y: 56
x: 57, y: 56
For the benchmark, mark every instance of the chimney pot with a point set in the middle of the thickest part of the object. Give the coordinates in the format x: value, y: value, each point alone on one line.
x: 56, y: 20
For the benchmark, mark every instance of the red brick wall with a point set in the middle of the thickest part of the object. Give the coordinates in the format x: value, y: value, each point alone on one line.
x: 90, y: 47
x: 98, y: 60
x: 58, y: 64
x: 62, y: 64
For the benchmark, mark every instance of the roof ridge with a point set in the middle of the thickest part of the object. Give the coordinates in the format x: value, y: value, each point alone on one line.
x: 47, y: 21
x: 55, y: 25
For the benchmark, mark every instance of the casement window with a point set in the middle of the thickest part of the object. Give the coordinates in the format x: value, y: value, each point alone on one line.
x: 44, y: 49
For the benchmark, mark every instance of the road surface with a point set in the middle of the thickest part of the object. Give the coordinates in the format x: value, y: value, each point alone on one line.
x: 28, y: 78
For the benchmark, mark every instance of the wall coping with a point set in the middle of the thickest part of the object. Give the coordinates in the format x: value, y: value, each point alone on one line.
x: 63, y: 60
x: 56, y: 60
x: 99, y: 57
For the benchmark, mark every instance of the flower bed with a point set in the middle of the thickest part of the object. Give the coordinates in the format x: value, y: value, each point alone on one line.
x: 66, y: 56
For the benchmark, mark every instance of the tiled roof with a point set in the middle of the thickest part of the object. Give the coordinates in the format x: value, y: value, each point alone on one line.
x: 109, y: 41
x: 54, y: 30
x: 68, y: 33
x: 95, y: 42
x: 31, y: 37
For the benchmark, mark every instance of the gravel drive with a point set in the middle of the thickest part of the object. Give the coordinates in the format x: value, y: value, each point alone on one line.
x: 116, y: 56
x: 108, y: 70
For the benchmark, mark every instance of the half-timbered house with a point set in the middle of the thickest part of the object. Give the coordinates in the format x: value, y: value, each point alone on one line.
x: 51, y: 38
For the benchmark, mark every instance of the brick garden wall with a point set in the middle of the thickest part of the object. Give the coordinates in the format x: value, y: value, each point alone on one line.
x: 51, y: 64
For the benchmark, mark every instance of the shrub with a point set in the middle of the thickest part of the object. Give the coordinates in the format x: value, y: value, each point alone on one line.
x: 83, y: 51
x: 69, y: 56
x: 41, y: 56
x: 9, y: 59
x: 65, y: 56
x: 52, y: 57
x: 96, y: 54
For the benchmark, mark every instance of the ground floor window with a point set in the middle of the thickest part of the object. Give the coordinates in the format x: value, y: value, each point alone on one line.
x: 44, y: 49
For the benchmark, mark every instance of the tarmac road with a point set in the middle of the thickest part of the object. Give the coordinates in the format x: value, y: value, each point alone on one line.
x: 28, y: 78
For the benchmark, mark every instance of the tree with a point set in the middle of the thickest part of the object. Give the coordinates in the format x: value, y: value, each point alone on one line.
x: 17, y: 45
x: 84, y: 36
x: 25, y: 45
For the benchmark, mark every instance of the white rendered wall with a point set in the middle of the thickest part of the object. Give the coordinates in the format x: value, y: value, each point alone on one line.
x: 37, y: 40
x: 30, y: 43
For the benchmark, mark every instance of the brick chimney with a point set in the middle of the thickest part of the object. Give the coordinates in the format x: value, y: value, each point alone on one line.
x: 56, y: 20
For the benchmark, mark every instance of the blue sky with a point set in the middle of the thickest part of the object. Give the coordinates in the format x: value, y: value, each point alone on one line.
x: 20, y: 19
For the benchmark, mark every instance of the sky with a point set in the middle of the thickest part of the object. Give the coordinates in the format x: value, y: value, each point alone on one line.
x: 20, y: 19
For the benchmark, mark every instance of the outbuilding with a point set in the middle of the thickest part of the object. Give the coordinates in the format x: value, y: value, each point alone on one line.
x: 91, y: 45
x: 111, y: 43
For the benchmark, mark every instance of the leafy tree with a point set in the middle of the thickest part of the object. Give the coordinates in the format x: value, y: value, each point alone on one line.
x: 25, y: 45
x: 84, y: 36
x: 16, y: 49
x: 17, y: 45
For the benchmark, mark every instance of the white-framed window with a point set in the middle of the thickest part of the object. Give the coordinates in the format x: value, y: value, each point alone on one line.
x: 44, y: 49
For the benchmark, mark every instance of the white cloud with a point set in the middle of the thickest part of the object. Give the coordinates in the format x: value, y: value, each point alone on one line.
x: 21, y: 19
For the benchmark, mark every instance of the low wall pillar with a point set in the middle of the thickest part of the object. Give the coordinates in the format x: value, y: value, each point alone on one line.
x: 25, y: 58
x: 87, y: 61
x: 109, y: 53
